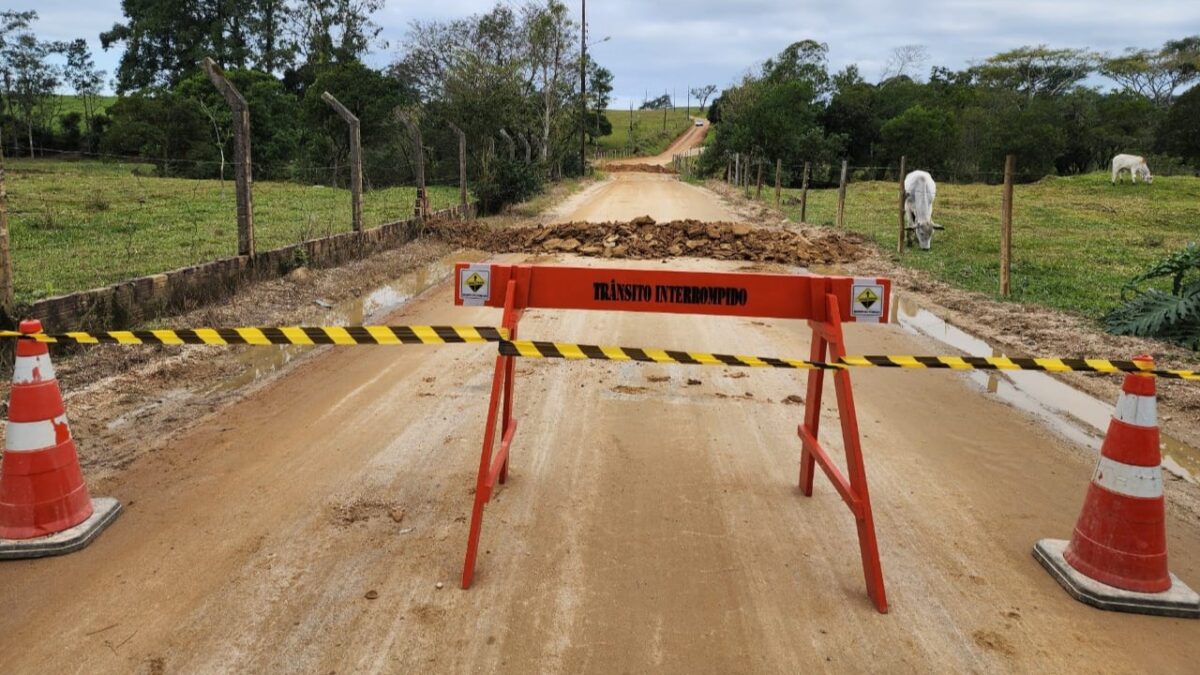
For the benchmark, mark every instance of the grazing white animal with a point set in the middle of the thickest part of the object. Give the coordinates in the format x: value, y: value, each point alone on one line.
x: 919, y: 192
x: 1135, y: 165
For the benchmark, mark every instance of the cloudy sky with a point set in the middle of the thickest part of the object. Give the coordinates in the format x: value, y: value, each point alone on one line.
x: 657, y: 45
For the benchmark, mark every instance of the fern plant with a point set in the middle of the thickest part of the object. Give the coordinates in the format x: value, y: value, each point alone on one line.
x: 1152, y: 312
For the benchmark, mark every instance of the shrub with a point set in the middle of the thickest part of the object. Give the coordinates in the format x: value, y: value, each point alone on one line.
x: 507, y: 182
x: 1153, y: 312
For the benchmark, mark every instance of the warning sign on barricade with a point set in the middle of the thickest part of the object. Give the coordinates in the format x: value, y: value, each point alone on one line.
x: 826, y: 302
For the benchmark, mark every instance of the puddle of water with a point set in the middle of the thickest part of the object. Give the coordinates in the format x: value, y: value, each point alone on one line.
x: 1068, y: 411
x: 258, y: 362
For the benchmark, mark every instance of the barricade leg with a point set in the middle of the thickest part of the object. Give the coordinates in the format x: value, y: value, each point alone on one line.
x: 493, y: 468
x: 828, y: 340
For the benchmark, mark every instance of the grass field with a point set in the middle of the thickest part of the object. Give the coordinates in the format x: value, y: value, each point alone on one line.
x: 647, y: 129
x: 78, y: 225
x: 1076, y: 240
x: 66, y: 104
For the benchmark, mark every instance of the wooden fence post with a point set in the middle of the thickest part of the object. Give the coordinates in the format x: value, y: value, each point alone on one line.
x: 729, y: 172
x: 356, y: 182
x: 241, y: 153
x: 421, y: 206
x: 804, y: 194
x: 1006, y: 216
x: 903, y: 232
x: 778, y: 180
x: 462, y: 170
x: 758, y: 187
x: 7, y: 320
x: 841, y: 204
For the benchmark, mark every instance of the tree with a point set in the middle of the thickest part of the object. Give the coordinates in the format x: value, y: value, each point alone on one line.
x: 165, y: 39
x: 33, y: 79
x: 1035, y: 71
x: 549, y: 32
x: 599, y: 90
x: 1156, y: 74
x: 804, y: 61
x: 335, y: 30
x: 659, y: 103
x: 81, y: 73
x: 164, y: 128
x: 926, y: 137
x: 906, y: 61
x: 702, y: 93
x: 1180, y: 131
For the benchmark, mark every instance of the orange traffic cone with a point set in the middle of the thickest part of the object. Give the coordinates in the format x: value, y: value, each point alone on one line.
x: 1117, y: 556
x: 44, y: 504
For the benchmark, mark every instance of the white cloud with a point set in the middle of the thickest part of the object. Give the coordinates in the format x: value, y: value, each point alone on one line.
x: 660, y: 44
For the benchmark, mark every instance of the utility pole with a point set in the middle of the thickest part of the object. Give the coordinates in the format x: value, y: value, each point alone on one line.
x: 583, y: 89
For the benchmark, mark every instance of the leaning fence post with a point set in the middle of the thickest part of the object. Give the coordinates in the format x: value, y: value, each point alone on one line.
x: 841, y: 204
x: 901, y: 242
x: 758, y: 181
x: 1006, y: 216
x: 421, y: 208
x: 804, y: 195
x: 462, y: 169
x: 356, y: 182
x: 778, y: 180
x: 241, y: 153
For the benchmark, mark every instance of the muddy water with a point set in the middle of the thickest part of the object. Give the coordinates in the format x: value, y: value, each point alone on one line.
x: 258, y: 362
x: 1068, y: 411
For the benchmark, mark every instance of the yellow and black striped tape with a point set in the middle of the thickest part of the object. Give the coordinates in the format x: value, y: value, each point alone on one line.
x: 566, y: 350
x: 283, y: 335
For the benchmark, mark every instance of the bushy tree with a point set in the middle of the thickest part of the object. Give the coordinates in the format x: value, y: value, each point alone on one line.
x: 927, y: 137
x: 1180, y: 131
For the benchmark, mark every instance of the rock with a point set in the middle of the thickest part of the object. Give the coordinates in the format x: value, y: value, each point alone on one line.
x: 323, y: 303
x: 693, y: 383
x: 740, y: 229
x: 794, y: 400
x: 569, y: 245
x: 371, y: 595
x: 397, y: 515
x: 620, y: 251
x: 693, y: 244
x: 590, y: 250
x: 713, y: 231
x: 552, y: 244
x: 642, y: 220
x: 439, y: 585
x: 675, y: 249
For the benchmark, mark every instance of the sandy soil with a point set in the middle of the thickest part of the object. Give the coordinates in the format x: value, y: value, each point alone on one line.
x: 648, y: 523
x: 625, y: 196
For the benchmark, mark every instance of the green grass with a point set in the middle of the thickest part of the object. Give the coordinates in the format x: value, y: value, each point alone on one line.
x: 1076, y: 240
x: 647, y: 129
x: 78, y: 225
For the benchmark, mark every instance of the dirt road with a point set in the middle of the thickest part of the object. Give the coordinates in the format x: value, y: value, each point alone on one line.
x: 648, y: 523
x: 688, y: 140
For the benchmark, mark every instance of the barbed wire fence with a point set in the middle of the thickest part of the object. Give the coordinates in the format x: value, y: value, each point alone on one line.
x: 751, y: 174
x: 81, y: 220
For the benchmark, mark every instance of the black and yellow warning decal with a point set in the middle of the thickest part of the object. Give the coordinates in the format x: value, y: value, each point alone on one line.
x: 284, y: 335
x: 565, y: 350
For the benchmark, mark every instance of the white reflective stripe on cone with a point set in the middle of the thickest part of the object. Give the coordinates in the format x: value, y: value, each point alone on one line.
x: 25, y: 366
x: 32, y: 436
x: 1141, y: 411
x: 1144, y: 482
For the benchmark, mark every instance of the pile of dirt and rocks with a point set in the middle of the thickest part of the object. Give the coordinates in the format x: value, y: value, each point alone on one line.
x: 639, y: 168
x: 645, y: 238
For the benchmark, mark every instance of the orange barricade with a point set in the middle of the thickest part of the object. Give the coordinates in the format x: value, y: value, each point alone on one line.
x: 824, y: 301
